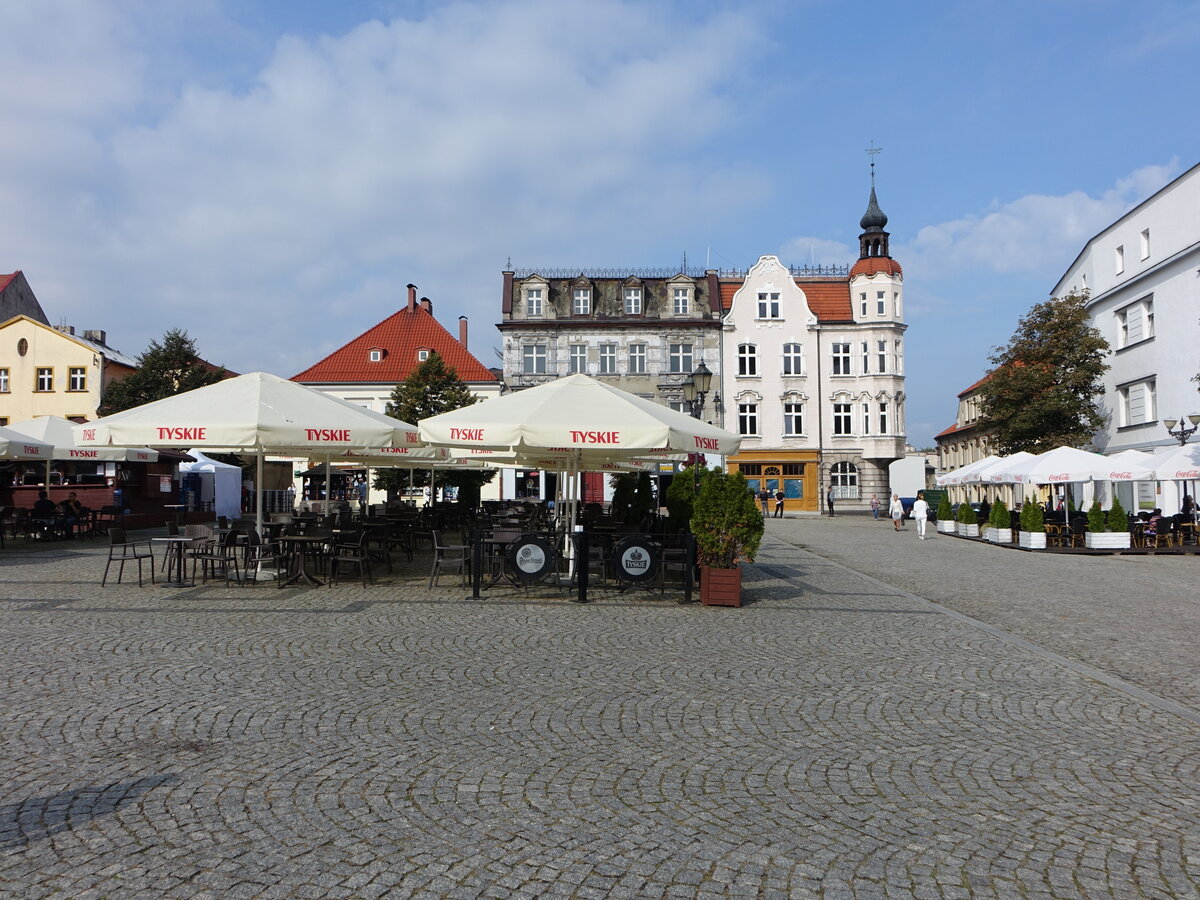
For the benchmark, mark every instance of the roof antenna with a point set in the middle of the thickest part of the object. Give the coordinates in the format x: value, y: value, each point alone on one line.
x: 684, y: 270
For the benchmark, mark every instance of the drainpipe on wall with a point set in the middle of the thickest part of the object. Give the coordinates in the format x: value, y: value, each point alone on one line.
x: 820, y: 428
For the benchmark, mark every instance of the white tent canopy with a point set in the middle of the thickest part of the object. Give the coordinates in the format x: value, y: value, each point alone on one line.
x: 1177, y: 463
x: 959, y: 475
x: 1064, y: 465
x: 223, y: 485
x: 60, y: 432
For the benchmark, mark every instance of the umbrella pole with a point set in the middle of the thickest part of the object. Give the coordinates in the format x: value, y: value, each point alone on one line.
x: 258, y: 489
x: 328, y: 488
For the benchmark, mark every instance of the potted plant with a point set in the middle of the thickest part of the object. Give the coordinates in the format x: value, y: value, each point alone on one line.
x: 1107, y: 531
x: 728, y: 528
x: 1033, y: 527
x: 1001, y: 524
x: 945, y: 516
x: 968, y: 520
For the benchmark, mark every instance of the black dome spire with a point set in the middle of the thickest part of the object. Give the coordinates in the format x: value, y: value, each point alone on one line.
x: 873, y: 219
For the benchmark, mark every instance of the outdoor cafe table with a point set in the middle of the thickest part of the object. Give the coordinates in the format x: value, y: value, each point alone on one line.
x: 176, y: 543
x: 301, y: 544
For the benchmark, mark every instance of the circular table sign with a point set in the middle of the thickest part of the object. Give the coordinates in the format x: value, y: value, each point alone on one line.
x: 530, y: 558
x: 636, y: 559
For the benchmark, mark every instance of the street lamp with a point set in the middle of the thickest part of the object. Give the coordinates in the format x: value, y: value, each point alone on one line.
x: 695, y: 389
x: 1182, y: 433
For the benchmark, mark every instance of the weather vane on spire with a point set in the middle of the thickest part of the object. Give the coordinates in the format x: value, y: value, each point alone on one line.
x: 872, y: 152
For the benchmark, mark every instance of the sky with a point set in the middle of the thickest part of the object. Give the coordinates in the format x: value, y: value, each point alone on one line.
x: 270, y: 175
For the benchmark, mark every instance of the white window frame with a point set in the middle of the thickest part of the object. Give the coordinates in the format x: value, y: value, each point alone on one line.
x: 5, y: 387
x: 747, y: 361
x: 533, y: 359
x: 581, y: 302
x: 1138, y: 395
x: 881, y: 303
x: 883, y: 417
x: 637, y: 359
x: 1145, y: 242
x: 676, y: 357
x: 882, y: 349
x: 47, y: 373
x: 843, y: 419
x: 793, y: 360
x: 77, y: 378
x: 768, y: 305
x: 863, y: 297
x: 608, y: 359
x: 377, y: 356
x: 681, y: 299
x: 840, y: 354
x: 633, y: 301
x: 1143, y: 309
x: 1119, y: 259
x: 577, y: 359
x: 422, y: 355
x: 793, y: 418
x: 866, y: 418
x: 533, y: 302
x: 748, y: 419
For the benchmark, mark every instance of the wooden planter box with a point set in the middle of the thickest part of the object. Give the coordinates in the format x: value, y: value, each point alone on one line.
x: 965, y: 530
x: 721, y: 587
x: 1000, y: 535
x: 1106, y: 540
x: 1032, y: 540
x: 949, y: 526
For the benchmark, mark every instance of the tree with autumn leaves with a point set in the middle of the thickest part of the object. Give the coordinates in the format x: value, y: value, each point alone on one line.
x: 1044, y: 388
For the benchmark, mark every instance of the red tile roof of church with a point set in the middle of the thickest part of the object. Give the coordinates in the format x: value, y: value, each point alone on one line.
x: 400, y: 336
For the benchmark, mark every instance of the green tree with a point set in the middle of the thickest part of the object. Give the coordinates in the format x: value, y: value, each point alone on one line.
x: 1044, y: 387
x: 164, y: 370
x: 431, y: 388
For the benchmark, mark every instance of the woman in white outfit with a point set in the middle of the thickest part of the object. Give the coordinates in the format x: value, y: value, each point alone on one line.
x: 896, y: 511
x: 920, y: 514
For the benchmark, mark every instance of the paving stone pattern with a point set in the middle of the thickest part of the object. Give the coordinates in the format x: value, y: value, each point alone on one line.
x: 833, y: 738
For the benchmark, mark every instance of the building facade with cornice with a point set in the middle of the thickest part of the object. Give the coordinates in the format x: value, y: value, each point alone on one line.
x: 813, y: 373
x: 967, y: 440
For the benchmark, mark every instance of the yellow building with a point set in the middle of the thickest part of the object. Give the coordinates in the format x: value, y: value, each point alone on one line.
x: 47, y: 371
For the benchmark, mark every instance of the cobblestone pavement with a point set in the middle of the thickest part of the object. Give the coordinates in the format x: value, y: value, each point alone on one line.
x: 836, y: 737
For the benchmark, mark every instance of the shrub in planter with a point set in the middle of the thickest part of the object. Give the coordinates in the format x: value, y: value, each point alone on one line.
x: 1117, y: 519
x: 968, y: 520
x: 1033, y: 527
x: 681, y: 496
x: 728, y: 528
x: 1101, y: 535
x: 1097, y: 520
x: 945, y: 516
x: 1001, y: 523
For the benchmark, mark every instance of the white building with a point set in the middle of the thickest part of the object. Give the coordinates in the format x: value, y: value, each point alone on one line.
x: 1143, y: 276
x: 813, y: 373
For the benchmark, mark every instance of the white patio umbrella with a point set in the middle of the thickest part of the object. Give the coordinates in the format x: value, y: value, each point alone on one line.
x: 1179, y: 464
x: 577, y: 418
x: 959, y: 475
x: 256, y: 413
x: 1068, y: 465
x: 60, y: 433
x: 18, y: 445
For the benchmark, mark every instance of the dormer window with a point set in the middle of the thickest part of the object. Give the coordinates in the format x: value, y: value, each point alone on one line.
x: 375, y: 354
x: 581, y: 301
x: 633, y: 301
x: 533, y: 302
x: 422, y: 355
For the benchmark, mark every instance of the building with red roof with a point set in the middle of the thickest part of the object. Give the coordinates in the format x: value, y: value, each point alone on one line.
x: 967, y: 440
x: 367, y: 369
x: 812, y: 373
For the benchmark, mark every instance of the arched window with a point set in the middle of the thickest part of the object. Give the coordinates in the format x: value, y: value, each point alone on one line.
x: 843, y: 479
x: 747, y: 359
x: 793, y: 359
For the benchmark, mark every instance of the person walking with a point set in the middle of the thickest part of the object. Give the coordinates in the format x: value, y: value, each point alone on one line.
x: 779, y: 504
x: 920, y: 512
x: 875, y: 504
x: 764, y: 497
x: 896, y: 511
x: 829, y: 500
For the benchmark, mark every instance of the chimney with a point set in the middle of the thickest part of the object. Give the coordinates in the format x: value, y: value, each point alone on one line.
x: 412, y: 297
x: 97, y: 336
x: 462, y: 331
x: 427, y: 305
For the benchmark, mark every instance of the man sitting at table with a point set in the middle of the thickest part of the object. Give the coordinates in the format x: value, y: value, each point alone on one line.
x: 44, y: 514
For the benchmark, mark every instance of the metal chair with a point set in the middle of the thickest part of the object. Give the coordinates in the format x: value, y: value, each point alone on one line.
x: 222, y: 555
x: 351, y: 553
x: 121, y: 551
x: 449, y: 556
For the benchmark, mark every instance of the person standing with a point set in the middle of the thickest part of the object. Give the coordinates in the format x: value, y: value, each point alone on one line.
x: 779, y: 504
x: 764, y: 497
x: 920, y: 511
x: 875, y: 506
x: 829, y: 500
x: 896, y: 511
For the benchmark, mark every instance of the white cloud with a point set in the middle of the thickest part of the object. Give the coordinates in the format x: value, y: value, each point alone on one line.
x: 1036, y: 233
x: 417, y: 149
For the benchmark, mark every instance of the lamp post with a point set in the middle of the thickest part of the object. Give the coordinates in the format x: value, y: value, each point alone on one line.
x: 695, y: 389
x: 1182, y: 433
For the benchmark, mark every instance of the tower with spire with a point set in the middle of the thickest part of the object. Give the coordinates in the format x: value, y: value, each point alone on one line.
x: 876, y: 280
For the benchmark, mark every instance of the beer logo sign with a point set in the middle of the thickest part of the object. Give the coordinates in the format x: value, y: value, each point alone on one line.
x: 530, y: 558
x: 637, y: 559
